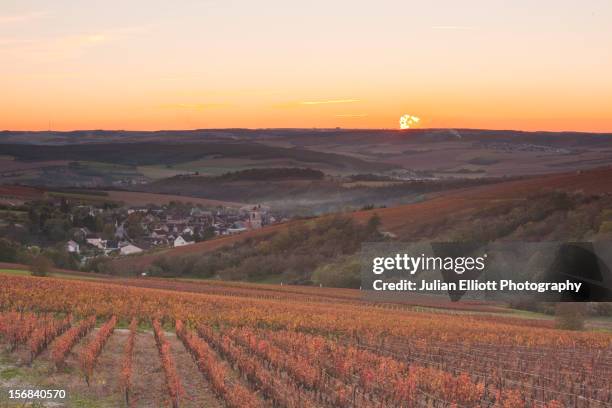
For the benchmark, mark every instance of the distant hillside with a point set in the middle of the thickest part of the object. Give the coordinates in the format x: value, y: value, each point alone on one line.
x: 137, y: 154
x: 468, y: 208
x: 304, y: 137
x: 287, y: 192
x: 442, y: 153
x: 568, y: 206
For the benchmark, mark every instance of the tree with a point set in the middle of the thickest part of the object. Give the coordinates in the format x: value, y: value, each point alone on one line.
x: 373, y: 223
x: 108, y: 232
x: 8, y: 250
x: 570, y: 316
x: 135, y: 230
x: 205, y: 233
x: 62, y: 258
x: 99, y: 264
x: 56, y: 229
x: 99, y: 223
x: 64, y: 206
x: 344, y: 273
x: 41, y: 266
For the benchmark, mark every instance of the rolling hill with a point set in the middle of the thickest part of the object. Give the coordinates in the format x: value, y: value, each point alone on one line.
x: 421, y: 220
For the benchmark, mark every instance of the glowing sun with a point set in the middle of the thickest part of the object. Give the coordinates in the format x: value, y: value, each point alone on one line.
x: 408, y: 121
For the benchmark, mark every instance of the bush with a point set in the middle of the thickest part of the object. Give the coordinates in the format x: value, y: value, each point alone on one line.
x: 173, y: 266
x: 600, y: 309
x: 8, y: 250
x: 345, y: 273
x: 41, y: 266
x: 292, y: 254
x: 525, y: 303
x: 570, y: 316
x: 99, y: 264
x: 62, y: 259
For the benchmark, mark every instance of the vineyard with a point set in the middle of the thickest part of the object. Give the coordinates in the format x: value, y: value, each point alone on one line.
x: 125, y: 344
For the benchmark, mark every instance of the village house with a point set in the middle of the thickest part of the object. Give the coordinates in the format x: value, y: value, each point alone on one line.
x: 172, y: 225
x: 72, y: 247
x: 133, y: 210
x: 96, y: 242
x: 111, y: 246
x: 180, y: 241
x: 130, y: 249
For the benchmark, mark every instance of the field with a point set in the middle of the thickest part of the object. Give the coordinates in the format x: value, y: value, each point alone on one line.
x: 111, y: 343
x: 17, y: 195
x: 442, y: 152
x: 191, y: 163
x: 140, y: 199
x: 145, y: 154
x: 90, y: 159
x: 8, y: 164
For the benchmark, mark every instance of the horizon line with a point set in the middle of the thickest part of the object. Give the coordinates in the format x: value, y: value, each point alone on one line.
x: 308, y: 128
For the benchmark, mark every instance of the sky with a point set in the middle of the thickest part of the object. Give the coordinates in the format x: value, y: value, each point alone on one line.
x: 153, y: 64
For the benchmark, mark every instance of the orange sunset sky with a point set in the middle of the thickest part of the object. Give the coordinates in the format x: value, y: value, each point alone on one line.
x: 533, y: 65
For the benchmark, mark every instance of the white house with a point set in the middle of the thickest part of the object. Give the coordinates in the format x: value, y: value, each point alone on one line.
x: 130, y: 249
x: 180, y: 241
x: 97, y: 242
x: 72, y: 247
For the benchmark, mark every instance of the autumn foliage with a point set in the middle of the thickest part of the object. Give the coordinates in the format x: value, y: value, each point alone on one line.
x: 125, y: 377
x: 296, y: 347
x: 173, y: 383
x: 63, y: 345
x: 91, y: 351
x: 218, y: 374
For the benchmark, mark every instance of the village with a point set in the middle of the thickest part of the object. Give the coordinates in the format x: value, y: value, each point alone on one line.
x: 133, y: 230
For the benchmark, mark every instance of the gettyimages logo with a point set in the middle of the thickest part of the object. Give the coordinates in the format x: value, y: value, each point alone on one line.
x: 546, y: 271
x: 412, y: 264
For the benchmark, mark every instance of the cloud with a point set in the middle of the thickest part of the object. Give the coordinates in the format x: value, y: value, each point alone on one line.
x: 296, y: 104
x: 326, y: 102
x: 53, y: 48
x: 192, y: 106
x: 20, y: 18
x: 352, y: 115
